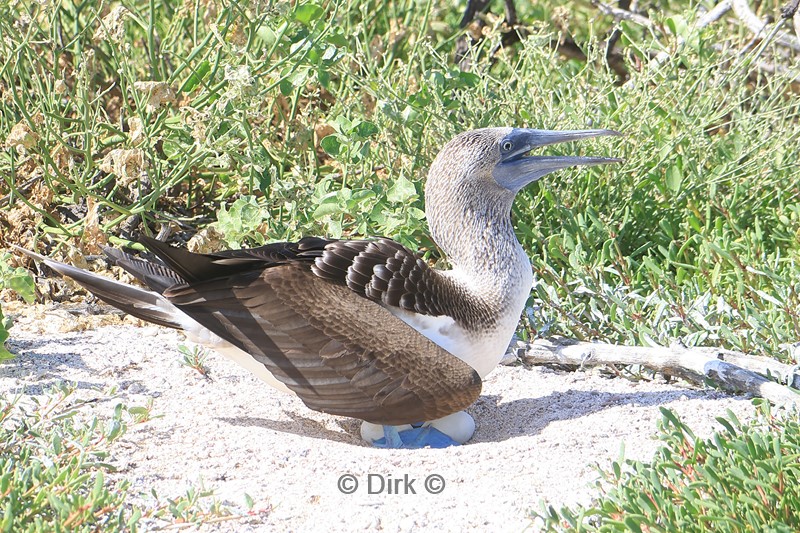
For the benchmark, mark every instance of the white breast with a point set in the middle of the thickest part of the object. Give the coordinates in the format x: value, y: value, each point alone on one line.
x: 480, y: 351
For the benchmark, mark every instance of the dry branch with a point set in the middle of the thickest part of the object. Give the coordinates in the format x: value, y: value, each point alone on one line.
x: 624, y: 14
x: 729, y: 370
x: 743, y: 12
x: 796, y: 21
x: 705, y: 20
x: 734, y: 377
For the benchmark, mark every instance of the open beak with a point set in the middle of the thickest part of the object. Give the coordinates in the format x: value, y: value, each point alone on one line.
x: 516, y: 169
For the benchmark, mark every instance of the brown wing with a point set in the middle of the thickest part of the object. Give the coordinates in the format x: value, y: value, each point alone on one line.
x: 340, y: 352
x: 385, y: 271
x: 379, y: 269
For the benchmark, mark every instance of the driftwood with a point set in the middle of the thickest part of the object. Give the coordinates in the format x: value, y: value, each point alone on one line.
x: 729, y: 370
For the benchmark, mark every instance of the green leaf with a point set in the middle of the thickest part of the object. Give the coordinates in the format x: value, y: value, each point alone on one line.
x: 677, y: 25
x: 416, y: 214
x: 97, y: 491
x: 342, y: 124
x: 324, y: 77
x: 18, y: 279
x: 328, y: 205
x: 401, y: 190
x: 267, y: 34
x: 337, y: 38
x: 674, y: 178
x: 332, y: 145
x: 366, y: 129
x: 298, y: 78
x: 469, y: 79
x: 335, y: 229
x: 22, y: 283
x: 241, y: 221
x: 286, y: 87
x: 196, y: 77
x: 307, y: 13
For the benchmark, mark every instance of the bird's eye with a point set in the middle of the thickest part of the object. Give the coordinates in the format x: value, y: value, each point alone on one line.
x: 507, y: 146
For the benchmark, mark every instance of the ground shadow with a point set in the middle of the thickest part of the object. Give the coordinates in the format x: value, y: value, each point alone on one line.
x: 529, y: 416
x: 497, y: 421
x: 42, y: 364
x: 523, y: 417
x: 303, y: 426
x: 33, y: 357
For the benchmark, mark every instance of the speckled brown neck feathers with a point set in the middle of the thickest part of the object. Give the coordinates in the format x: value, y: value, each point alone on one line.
x: 469, y: 216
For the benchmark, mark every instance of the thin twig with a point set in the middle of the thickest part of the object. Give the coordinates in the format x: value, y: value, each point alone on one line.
x: 743, y: 12
x: 706, y: 20
x: 22, y: 189
x: 762, y: 66
x: 624, y: 14
x: 715, y: 14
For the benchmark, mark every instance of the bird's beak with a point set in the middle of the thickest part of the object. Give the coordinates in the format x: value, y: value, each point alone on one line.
x: 516, y: 169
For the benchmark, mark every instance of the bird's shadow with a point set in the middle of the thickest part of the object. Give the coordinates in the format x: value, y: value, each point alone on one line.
x: 29, y: 353
x: 530, y: 416
x: 523, y: 417
x: 303, y: 426
x: 32, y: 358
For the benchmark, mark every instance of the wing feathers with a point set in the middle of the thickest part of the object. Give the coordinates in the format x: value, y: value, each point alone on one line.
x: 384, y: 271
x: 314, y: 314
x: 340, y: 353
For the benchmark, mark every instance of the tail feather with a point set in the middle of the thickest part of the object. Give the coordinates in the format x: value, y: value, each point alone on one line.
x: 189, y: 266
x: 144, y: 304
x: 157, y: 276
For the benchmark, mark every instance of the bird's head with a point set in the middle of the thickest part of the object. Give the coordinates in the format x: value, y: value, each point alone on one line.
x: 503, y: 154
x: 473, y: 180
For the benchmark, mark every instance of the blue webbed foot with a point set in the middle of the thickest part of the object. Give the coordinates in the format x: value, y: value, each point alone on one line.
x: 416, y: 437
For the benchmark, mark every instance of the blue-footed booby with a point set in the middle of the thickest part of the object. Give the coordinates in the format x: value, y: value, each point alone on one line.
x: 366, y: 328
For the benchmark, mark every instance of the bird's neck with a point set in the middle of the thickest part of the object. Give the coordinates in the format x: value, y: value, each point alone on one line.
x: 473, y: 228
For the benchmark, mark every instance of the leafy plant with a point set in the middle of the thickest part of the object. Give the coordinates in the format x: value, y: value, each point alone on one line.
x: 20, y: 281
x: 195, y: 357
x: 54, y: 467
x: 188, y: 508
x: 744, y: 478
x: 55, y: 461
x: 242, y: 222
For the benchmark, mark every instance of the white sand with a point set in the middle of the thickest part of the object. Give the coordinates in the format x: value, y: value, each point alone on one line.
x: 539, y: 433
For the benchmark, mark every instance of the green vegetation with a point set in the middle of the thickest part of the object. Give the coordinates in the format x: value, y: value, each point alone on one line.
x: 280, y: 124
x: 746, y: 478
x: 195, y: 357
x: 56, y: 463
x: 281, y: 119
x: 20, y: 281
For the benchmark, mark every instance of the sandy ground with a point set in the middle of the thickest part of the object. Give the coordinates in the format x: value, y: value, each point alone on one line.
x: 539, y: 434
